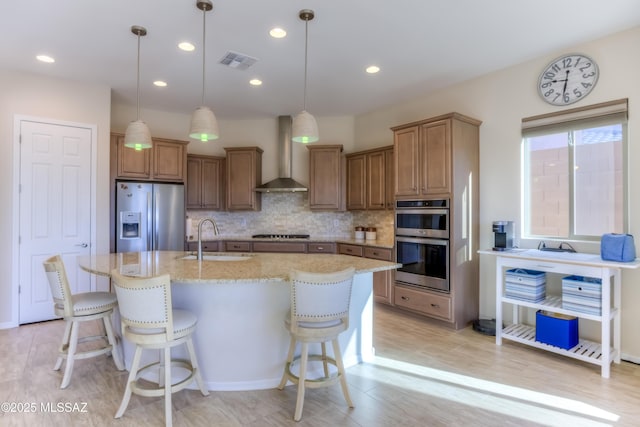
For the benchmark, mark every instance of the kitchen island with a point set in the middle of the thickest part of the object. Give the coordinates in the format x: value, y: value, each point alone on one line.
x: 241, y: 301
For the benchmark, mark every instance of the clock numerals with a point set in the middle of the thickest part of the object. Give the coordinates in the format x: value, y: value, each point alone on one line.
x: 567, y: 79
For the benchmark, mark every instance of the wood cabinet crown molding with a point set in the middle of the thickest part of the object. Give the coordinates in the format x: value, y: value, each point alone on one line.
x: 457, y: 116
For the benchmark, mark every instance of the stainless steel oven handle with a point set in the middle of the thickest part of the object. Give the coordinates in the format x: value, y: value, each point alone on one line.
x: 423, y: 211
x: 422, y: 240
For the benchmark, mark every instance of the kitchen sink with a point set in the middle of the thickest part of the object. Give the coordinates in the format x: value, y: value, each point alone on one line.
x: 219, y: 257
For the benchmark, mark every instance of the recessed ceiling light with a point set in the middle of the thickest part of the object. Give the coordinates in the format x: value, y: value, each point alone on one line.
x: 160, y: 83
x: 255, y: 82
x: 45, y: 58
x: 372, y: 69
x: 277, y: 33
x: 186, y: 46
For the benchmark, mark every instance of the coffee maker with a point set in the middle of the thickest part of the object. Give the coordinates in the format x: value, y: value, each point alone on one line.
x: 503, y: 235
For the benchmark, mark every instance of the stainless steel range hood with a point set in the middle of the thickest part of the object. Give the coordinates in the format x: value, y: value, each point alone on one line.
x: 284, y: 183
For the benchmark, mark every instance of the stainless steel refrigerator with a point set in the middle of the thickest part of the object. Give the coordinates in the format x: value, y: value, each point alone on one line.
x: 149, y: 216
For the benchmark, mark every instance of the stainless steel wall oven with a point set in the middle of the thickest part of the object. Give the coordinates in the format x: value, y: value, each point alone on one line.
x: 422, y: 243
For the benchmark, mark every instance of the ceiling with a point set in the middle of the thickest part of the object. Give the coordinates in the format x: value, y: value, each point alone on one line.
x: 420, y: 46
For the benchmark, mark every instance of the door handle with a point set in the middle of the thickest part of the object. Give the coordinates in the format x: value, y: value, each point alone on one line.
x: 82, y: 245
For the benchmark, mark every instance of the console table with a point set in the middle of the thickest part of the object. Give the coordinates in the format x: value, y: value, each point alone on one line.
x: 581, y: 264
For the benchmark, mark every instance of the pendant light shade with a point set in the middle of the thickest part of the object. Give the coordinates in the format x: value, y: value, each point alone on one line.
x: 204, y: 126
x: 137, y: 135
x: 305, y: 128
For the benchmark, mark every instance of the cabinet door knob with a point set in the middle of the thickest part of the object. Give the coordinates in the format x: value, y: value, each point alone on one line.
x: 435, y: 305
x: 404, y: 298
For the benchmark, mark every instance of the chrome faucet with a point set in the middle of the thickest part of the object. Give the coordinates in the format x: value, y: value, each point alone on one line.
x: 215, y: 232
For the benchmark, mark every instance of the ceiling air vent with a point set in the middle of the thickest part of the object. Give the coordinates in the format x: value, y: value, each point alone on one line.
x: 238, y: 60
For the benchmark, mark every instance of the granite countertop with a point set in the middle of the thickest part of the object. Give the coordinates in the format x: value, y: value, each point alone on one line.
x: 257, y: 267
x: 380, y: 243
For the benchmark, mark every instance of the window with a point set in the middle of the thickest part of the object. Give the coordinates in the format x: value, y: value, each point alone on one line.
x: 574, y: 173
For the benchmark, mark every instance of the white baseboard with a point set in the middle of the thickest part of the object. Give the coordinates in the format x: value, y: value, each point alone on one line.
x: 8, y: 325
x: 630, y: 358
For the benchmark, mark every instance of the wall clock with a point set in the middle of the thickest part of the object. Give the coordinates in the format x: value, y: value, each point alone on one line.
x: 568, y: 79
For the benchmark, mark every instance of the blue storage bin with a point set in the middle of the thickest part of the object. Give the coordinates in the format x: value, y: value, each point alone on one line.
x: 556, y: 329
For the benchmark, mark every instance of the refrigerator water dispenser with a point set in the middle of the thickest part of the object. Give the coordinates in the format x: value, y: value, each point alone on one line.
x: 131, y: 225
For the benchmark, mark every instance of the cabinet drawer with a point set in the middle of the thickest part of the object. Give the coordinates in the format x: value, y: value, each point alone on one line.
x: 346, y: 249
x: 237, y: 246
x: 316, y: 248
x: 427, y: 303
x: 382, y: 254
x: 206, y: 246
x: 293, y: 247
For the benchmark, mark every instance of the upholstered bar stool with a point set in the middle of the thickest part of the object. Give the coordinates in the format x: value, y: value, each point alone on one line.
x: 74, y: 309
x: 319, y: 313
x: 150, y: 322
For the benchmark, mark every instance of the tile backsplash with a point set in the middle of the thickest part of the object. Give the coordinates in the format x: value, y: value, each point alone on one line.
x: 288, y: 213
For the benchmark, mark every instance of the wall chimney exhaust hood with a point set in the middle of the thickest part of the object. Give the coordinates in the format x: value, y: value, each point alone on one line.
x: 284, y: 183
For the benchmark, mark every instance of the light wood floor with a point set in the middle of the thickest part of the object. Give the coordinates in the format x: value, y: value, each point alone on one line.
x: 424, y: 375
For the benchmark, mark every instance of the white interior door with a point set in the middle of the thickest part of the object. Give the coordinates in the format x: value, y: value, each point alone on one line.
x: 55, y: 210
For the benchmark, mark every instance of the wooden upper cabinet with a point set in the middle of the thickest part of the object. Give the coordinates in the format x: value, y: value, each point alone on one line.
x: 435, y: 157
x: 169, y: 160
x: 369, y: 177
x: 425, y: 153
x: 165, y: 161
x: 326, y: 178
x: 356, y: 182
x: 243, y: 175
x: 407, y: 161
x: 205, y: 182
x: 389, y: 178
x: 375, y: 186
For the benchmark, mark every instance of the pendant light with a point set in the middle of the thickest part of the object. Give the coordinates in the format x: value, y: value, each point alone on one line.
x: 204, y: 126
x: 137, y: 135
x: 305, y: 128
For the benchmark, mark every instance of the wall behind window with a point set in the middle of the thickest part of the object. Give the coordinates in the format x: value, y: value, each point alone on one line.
x: 501, y: 99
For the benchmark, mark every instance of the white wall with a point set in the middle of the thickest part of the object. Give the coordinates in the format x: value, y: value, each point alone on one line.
x: 501, y: 100
x: 36, y: 96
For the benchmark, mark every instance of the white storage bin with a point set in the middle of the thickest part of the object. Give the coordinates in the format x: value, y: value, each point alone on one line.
x: 582, y: 294
x: 526, y: 285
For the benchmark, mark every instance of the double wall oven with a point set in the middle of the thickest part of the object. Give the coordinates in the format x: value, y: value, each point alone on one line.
x: 422, y: 243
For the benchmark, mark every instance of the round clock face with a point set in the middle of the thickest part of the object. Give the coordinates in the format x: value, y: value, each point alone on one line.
x: 568, y: 79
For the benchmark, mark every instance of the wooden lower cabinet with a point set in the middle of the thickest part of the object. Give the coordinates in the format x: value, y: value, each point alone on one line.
x: 320, y: 248
x: 208, y: 246
x: 382, y: 280
x: 347, y: 249
x: 287, y: 247
x: 232, y: 246
x: 423, y: 302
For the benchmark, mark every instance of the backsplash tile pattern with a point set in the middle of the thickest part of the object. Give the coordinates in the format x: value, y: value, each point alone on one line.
x: 288, y: 213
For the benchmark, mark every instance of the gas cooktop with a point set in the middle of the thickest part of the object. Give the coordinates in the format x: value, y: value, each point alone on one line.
x: 280, y: 236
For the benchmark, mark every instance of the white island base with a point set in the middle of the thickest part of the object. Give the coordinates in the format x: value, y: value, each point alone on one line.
x: 241, y: 341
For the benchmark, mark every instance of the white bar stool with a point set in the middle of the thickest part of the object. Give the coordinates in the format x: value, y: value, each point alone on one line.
x: 77, y: 308
x: 319, y: 313
x: 150, y: 322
